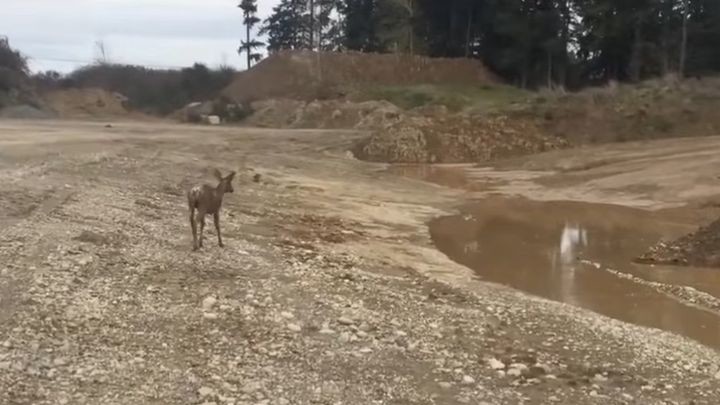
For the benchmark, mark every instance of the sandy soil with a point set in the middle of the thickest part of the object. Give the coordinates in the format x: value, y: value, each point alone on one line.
x: 328, y: 290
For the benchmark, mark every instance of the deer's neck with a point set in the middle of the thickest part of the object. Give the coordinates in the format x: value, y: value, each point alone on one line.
x: 219, y: 193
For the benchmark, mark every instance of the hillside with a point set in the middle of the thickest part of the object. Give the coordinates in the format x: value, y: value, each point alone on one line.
x: 308, y: 75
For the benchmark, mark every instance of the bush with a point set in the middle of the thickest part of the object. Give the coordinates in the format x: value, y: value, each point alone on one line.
x: 153, y: 91
x: 11, y: 59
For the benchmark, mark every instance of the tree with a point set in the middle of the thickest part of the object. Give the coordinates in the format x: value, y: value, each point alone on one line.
x: 102, y: 55
x: 286, y: 26
x: 250, y: 19
x: 532, y: 43
x: 328, y: 25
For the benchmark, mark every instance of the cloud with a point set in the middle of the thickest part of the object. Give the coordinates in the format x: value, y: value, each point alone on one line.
x: 62, y: 35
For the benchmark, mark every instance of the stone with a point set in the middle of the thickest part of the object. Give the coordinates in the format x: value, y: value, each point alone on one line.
x: 538, y: 370
x: 60, y: 361
x: 514, y: 372
x: 210, y: 315
x: 444, y: 384
x: 293, y: 327
x: 519, y: 366
x: 206, y: 391
x: 467, y: 380
x: 599, y: 378
x: 208, y: 303
x: 287, y: 315
x: 345, y: 321
x: 496, y: 364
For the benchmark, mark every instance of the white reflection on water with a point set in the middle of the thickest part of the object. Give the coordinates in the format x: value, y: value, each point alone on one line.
x: 572, y: 239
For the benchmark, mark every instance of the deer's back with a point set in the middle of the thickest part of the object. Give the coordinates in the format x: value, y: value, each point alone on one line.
x: 203, y: 196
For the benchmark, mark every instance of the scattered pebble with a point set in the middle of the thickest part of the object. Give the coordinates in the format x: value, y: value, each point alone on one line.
x: 206, y: 391
x: 496, y: 364
x: 514, y: 372
x: 345, y: 321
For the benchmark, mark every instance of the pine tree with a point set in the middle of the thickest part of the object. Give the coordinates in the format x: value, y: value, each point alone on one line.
x: 286, y: 27
x: 250, y: 44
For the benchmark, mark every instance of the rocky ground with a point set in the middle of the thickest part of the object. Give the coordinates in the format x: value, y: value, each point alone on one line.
x: 327, y: 292
x: 700, y: 248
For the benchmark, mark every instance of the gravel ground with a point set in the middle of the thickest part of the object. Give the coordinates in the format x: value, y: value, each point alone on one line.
x: 327, y: 292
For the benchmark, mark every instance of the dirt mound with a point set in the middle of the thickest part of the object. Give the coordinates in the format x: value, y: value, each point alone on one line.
x: 655, y: 109
x: 701, y: 248
x: 87, y: 103
x: 308, y: 75
x: 287, y: 113
x: 455, y: 139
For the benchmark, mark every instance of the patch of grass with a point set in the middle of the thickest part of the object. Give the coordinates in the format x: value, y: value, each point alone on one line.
x: 454, y: 97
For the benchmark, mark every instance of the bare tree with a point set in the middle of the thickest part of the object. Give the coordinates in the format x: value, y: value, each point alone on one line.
x: 101, y: 50
x: 683, y: 44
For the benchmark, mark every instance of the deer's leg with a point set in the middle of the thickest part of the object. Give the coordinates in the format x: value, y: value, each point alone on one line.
x: 201, y: 220
x: 216, y: 219
x: 193, y: 226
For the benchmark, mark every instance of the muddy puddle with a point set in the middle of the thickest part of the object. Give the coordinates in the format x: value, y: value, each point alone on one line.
x: 582, y: 254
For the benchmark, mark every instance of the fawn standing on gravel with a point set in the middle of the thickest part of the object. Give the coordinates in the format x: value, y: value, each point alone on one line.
x: 206, y: 200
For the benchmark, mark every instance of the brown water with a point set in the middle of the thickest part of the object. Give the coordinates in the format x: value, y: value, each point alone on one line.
x: 578, y: 253
x: 563, y: 250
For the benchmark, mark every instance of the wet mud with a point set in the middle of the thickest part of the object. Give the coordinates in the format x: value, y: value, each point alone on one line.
x: 582, y: 254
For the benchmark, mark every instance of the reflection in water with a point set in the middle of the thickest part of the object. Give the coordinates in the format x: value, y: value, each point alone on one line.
x: 572, y: 239
x: 534, y: 246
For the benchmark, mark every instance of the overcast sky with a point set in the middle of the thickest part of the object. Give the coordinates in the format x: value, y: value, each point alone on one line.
x: 62, y: 34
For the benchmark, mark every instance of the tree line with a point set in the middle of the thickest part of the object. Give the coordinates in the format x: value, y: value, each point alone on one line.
x: 532, y: 43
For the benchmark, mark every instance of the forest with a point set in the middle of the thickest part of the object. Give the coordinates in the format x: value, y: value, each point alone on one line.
x: 530, y: 43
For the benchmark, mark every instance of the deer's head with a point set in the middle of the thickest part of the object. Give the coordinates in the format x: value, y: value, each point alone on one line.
x: 225, y: 184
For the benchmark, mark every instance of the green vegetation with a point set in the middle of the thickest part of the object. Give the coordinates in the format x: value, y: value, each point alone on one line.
x: 455, y: 98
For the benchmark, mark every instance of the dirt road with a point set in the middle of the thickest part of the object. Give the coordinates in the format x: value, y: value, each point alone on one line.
x: 326, y: 292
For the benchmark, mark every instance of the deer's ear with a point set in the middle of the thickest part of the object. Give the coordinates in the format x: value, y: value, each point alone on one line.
x: 217, y: 174
x: 231, y: 175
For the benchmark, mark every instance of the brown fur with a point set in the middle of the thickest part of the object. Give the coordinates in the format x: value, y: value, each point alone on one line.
x: 206, y: 200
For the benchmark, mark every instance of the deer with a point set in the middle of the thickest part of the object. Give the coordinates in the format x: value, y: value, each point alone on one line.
x: 206, y: 200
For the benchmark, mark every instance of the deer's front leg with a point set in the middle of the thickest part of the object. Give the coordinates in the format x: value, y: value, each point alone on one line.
x: 193, y: 226
x: 216, y: 219
x: 201, y: 220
